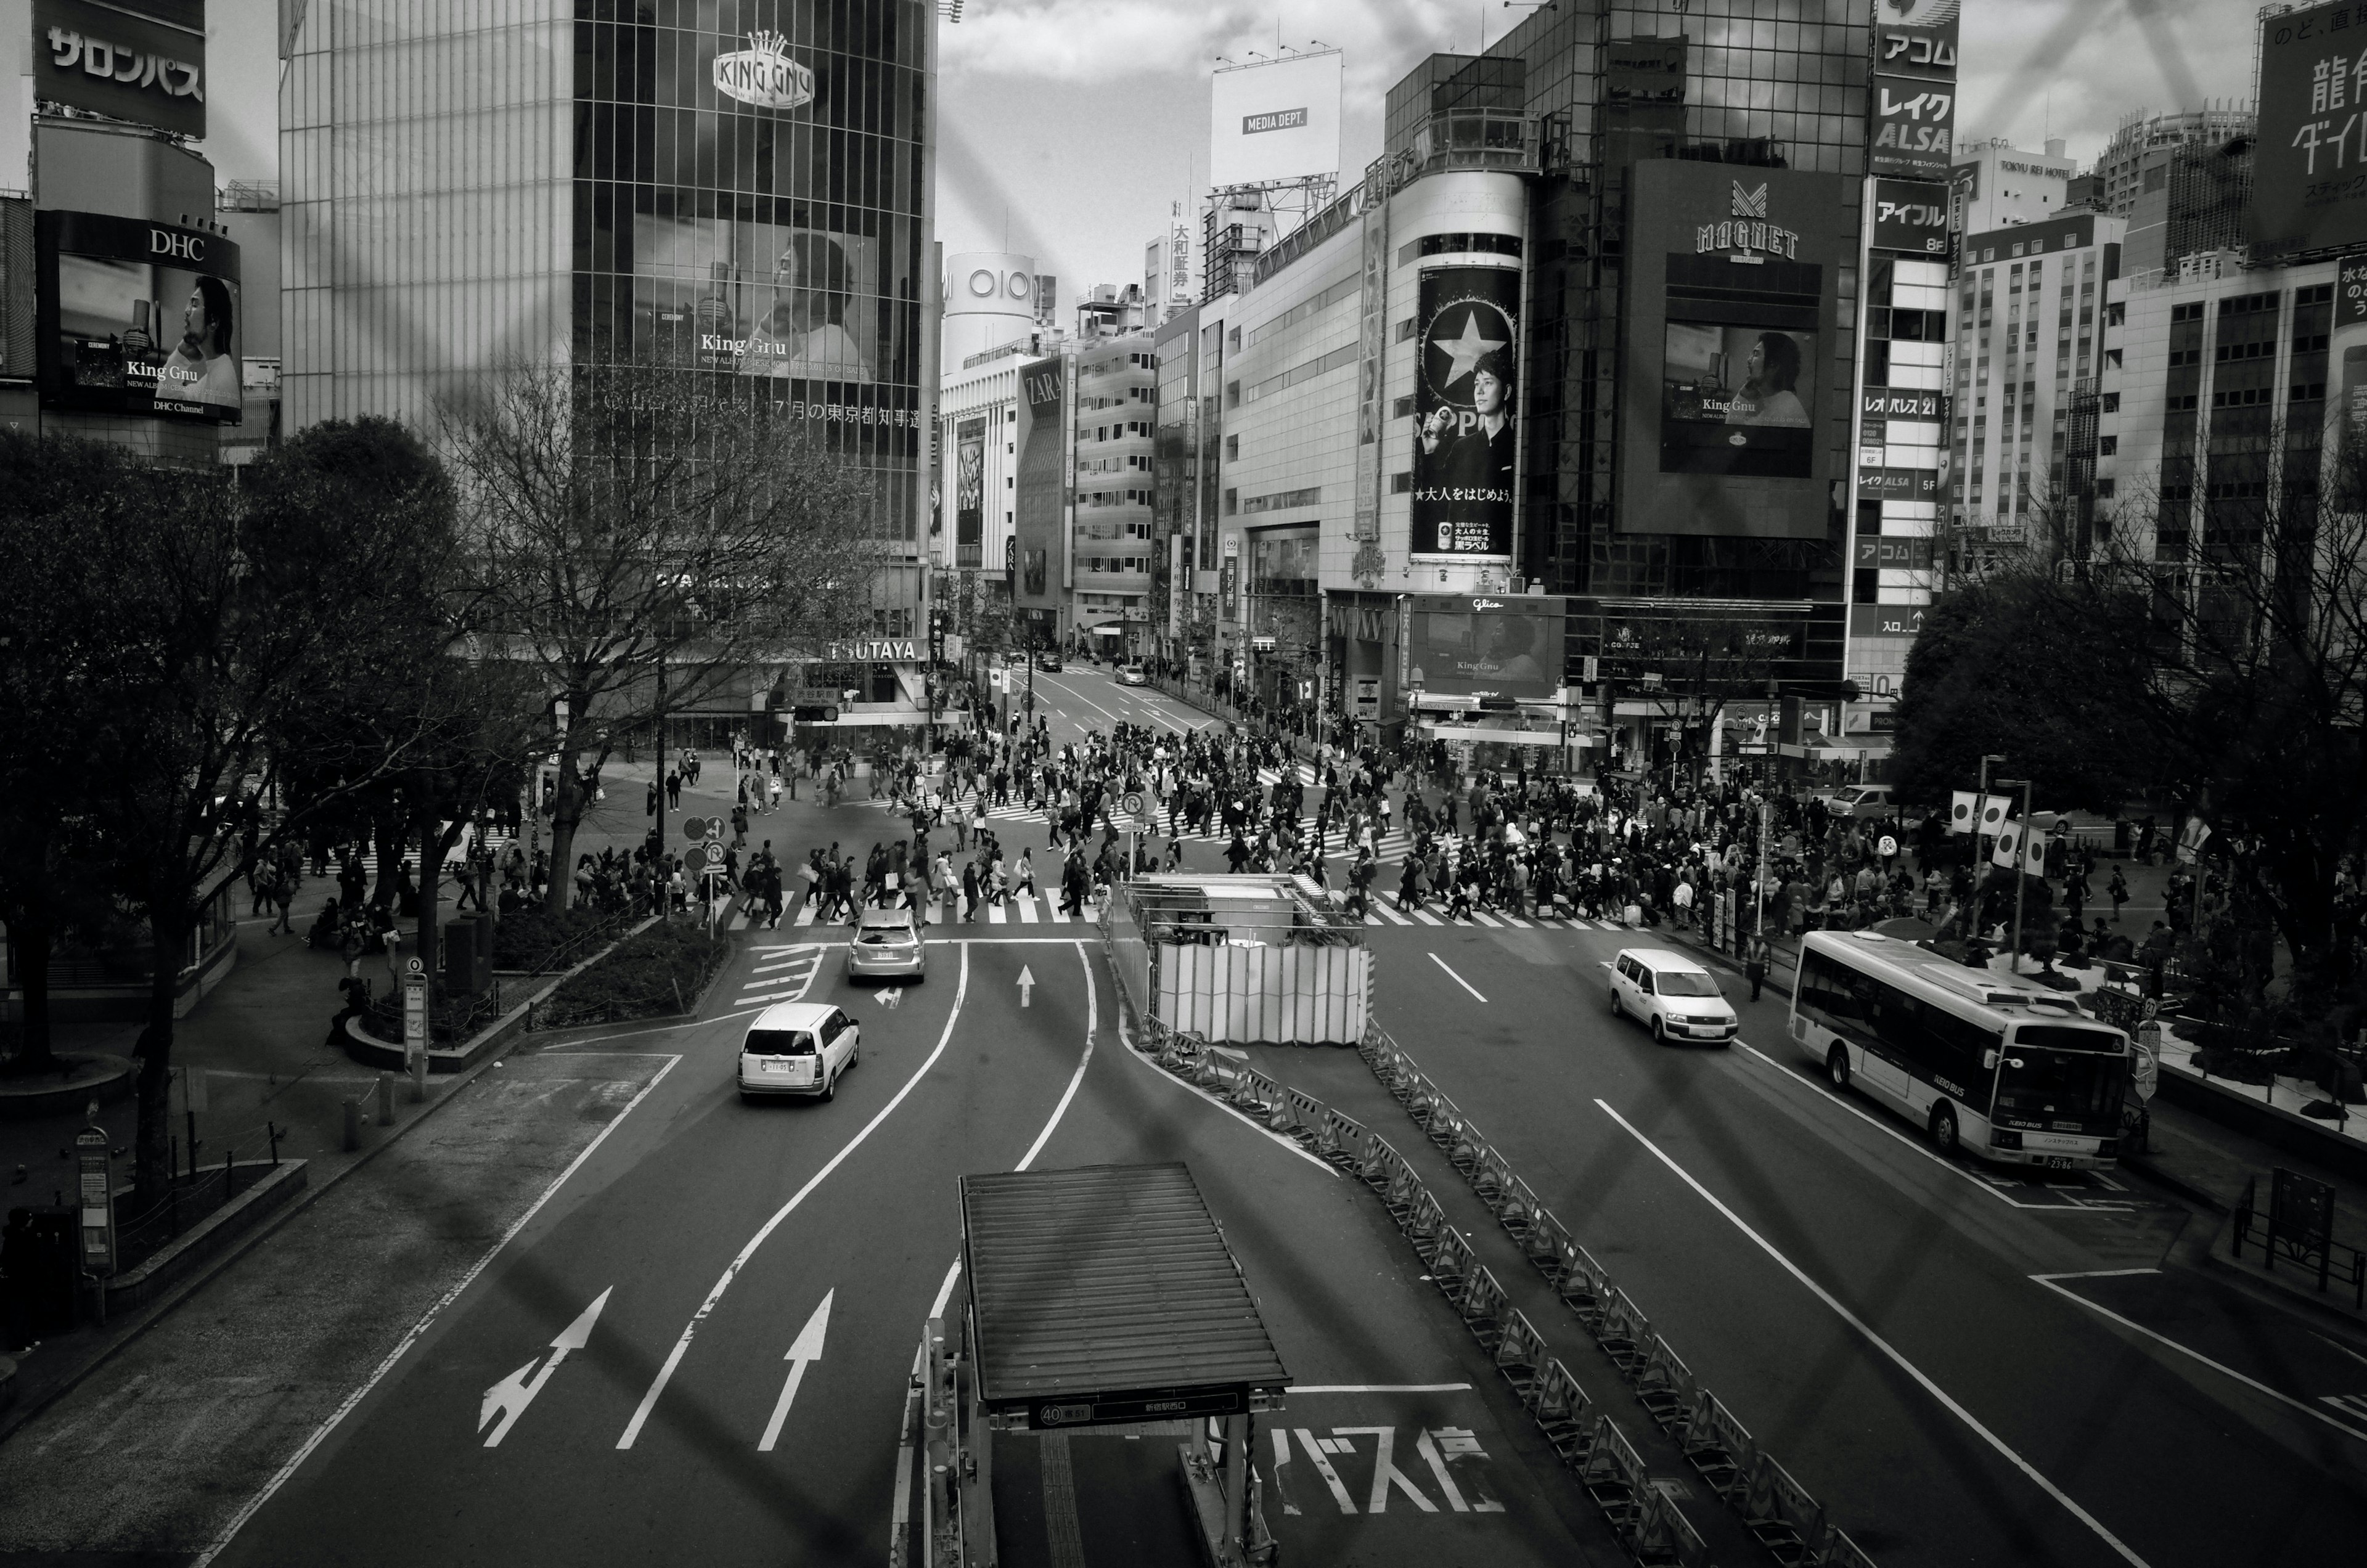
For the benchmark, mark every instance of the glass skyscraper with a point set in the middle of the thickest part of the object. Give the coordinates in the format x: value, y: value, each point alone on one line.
x: 734, y: 185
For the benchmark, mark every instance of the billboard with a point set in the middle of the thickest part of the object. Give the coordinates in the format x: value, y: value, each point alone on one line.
x: 1736, y: 399
x: 1911, y: 217
x: 1914, y: 128
x: 767, y: 300
x: 1916, y: 37
x: 1041, y: 490
x: 1464, y: 448
x: 970, y: 485
x: 1507, y: 650
x: 2307, y: 193
x: 1731, y: 382
x: 137, y: 318
x: 1276, y: 121
x: 143, y: 61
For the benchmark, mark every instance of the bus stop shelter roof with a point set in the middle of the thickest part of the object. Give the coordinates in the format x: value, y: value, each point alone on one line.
x: 1092, y: 1285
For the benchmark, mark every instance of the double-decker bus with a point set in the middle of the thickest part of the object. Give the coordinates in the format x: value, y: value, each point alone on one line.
x: 1998, y: 1066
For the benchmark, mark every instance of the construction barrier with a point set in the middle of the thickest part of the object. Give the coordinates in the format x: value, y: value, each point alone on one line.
x: 1623, y: 1332
x: 1780, y: 1515
x: 1663, y: 1535
x: 1560, y: 1408
x: 1664, y: 1386
x: 1717, y: 1445
x: 1841, y: 1552
x: 1484, y: 1305
x: 1613, y: 1474
x: 1521, y: 1356
x: 1278, y: 994
x: 1451, y: 1261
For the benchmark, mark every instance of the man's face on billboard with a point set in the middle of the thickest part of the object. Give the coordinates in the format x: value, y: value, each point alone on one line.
x: 1487, y: 393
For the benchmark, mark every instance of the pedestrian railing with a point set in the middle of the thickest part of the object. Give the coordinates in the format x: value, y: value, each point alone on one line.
x: 2314, y: 1250
x: 1592, y: 1446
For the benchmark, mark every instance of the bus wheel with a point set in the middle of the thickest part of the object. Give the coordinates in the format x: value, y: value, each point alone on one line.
x: 1944, y: 1128
x: 1837, y: 1066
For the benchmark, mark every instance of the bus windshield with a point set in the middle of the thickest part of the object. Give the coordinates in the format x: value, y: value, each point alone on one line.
x: 2041, y: 1084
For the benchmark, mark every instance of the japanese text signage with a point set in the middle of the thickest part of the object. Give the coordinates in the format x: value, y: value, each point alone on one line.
x: 2350, y: 292
x: 142, y: 60
x: 95, y: 1189
x: 1898, y: 484
x: 1911, y: 216
x: 1916, y: 37
x: 1892, y: 552
x: 1905, y: 404
x: 2309, y: 166
x: 1915, y: 126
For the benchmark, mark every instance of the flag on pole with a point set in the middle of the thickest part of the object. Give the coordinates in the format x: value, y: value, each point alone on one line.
x: 2034, y: 855
x: 1994, y: 808
x: 2190, y: 840
x: 2008, y: 851
x: 1965, y: 812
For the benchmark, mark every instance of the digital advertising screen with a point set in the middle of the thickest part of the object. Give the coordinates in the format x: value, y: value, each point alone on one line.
x: 138, y: 318
x: 1736, y: 400
x: 1507, y: 650
x: 760, y: 299
x: 970, y: 481
x: 1465, y: 398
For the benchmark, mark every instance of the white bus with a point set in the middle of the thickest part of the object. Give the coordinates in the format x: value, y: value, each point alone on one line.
x: 1998, y: 1066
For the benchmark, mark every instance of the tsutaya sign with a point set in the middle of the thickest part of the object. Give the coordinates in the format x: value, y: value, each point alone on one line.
x: 1747, y: 231
x: 763, y: 74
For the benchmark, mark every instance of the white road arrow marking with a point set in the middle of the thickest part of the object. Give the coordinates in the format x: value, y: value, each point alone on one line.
x: 509, y: 1397
x: 1026, y: 984
x: 806, y: 1349
x: 892, y: 995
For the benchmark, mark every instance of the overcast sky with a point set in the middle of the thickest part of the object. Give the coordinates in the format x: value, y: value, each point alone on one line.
x: 1071, y: 125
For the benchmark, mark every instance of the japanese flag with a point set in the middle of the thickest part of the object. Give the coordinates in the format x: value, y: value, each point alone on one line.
x: 2033, y: 856
x: 1993, y: 810
x: 1965, y: 812
x: 2008, y: 853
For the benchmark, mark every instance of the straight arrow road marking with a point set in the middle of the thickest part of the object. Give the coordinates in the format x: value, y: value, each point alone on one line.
x: 509, y: 1397
x: 1026, y: 984
x: 803, y: 1351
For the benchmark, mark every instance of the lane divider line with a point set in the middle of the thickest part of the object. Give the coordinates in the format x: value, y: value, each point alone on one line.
x: 1456, y: 978
x: 1890, y: 1352
x: 2050, y: 1281
x: 731, y: 1270
x: 321, y: 1433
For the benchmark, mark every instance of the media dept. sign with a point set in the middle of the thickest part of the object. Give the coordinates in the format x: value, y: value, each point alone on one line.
x: 763, y: 75
x: 142, y: 60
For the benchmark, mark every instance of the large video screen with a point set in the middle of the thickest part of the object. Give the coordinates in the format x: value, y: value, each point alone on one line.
x: 759, y: 299
x: 1465, y: 440
x: 1501, y: 648
x: 1737, y: 400
x: 138, y: 318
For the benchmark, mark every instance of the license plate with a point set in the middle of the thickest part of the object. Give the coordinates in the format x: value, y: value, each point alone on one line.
x: 2056, y: 1162
x: 781, y: 1068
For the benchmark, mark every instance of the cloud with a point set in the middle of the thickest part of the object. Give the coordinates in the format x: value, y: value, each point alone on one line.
x: 2035, y: 68
x: 1074, y: 41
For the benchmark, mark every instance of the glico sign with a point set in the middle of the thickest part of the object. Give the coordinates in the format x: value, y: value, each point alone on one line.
x: 762, y: 73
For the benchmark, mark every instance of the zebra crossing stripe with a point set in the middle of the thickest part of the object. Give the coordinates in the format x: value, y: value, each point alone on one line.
x: 1028, y: 915
x: 1425, y: 917
x: 1481, y: 916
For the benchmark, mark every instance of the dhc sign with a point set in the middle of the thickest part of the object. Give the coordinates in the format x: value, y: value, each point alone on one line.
x: 763, y: 74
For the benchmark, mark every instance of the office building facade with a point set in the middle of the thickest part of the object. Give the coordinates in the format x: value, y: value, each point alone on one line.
x: 1996, y: 183
x: 733, y: 186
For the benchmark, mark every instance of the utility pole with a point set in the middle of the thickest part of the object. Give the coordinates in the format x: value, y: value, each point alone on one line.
x: 2021, y: 859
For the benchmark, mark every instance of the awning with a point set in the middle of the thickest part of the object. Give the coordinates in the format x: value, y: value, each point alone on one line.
x: 1113, y: 630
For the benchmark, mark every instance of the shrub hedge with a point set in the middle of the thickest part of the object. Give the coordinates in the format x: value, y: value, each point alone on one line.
x: 531, y: 940
x: 650, y: 975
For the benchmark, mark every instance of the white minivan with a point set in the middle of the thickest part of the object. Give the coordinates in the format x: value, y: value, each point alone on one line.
x: 798, y: 1048
x: 1670, y: 995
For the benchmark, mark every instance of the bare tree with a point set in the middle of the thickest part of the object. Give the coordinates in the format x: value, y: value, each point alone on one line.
x: 2239, y: 568
x: 645, y: 534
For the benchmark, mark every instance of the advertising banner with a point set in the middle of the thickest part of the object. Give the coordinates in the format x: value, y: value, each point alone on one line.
x: 1275, y: 121
x: 1910, y: 217
x: 1907, y: 404
x: 143, y: 61
x: 1041, y: 490
x: 1898, y: 484
x: 1914, y: 128
x: 1736, y: 400
x: 1894, y: 552
x: 1488, y: 648
x: 1463, y: 411
x: 2309, y: 163
x: 1916, y: 37
x: 969, y: 483
x: 1372, y: 349
x: 759, y: 299
x: 2350, y: 292
x: 137, y: 317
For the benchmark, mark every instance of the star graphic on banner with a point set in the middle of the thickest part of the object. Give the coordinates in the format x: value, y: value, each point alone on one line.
x: 1466, y: 350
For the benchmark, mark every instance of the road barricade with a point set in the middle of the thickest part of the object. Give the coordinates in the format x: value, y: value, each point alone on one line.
x: 1521, y: 1356
x: 1451, y: 1261
x: 1467, y: 1150
x: 1396, y: 1183
x: 1424, y: 1223
x: 1624, y: 1332
x: 1664, y: 1386
x: 1491, y: 1177
x: 1717, y: 1445
x: 1780, y: 1512
x: 1663, y: 1536
x: 1841, y: 1552
x: 1483, y: 1306
x: 1560, y: 1407
x: 1585, y: 1285
x: 1254, y: 1094
x: 1613, y: 1474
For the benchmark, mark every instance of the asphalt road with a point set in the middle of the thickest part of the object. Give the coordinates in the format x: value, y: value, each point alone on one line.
x: 1964, y: 1369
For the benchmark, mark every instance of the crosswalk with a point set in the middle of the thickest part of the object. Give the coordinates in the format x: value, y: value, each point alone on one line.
x: 1044, y: 909
x: 1390, y: 847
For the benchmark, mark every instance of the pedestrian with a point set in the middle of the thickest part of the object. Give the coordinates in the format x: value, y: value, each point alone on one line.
x: 283, y: 897
x: 2118, y: 890
x: 1754, y: 964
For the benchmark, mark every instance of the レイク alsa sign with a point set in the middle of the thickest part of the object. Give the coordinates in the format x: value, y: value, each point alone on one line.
x: 763, y: 74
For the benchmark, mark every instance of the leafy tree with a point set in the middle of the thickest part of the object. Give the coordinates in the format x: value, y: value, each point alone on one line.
x: 2007, y: 666
x: 640, y: 536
